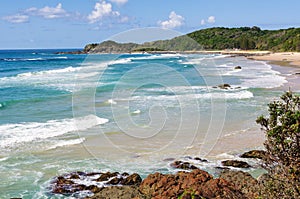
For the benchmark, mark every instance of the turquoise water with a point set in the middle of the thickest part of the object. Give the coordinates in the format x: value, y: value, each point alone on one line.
x: 62, y: 113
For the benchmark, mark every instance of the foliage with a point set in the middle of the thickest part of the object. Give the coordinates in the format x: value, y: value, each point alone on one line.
x: 282, y: 143
x: 219, y: 38
x: 248, y: 38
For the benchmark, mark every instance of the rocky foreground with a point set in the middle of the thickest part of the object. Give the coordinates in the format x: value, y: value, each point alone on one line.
x: 188, y: 182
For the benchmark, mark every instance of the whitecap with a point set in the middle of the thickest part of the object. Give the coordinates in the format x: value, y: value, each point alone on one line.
x: 136, y: 112
x: 67, y: 143
x: 14, y: 134
x: 111, y: 101
x: 67, y: 79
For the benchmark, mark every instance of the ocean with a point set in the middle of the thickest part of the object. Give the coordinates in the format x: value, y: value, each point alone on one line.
x: 61, y: 113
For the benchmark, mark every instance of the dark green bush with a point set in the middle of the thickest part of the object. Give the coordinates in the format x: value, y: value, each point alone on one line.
x: 282, y: 143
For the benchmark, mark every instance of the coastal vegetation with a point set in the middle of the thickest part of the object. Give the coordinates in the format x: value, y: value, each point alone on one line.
x: 282, y: 158
x: 219, y: 38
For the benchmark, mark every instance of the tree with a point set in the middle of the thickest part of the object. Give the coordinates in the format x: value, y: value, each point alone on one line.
x: 282, y: 143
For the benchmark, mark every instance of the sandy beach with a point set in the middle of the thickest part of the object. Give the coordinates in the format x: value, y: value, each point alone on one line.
x: 283, y: 59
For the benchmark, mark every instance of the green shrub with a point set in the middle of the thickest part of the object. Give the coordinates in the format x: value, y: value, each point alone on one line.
x: 282, y: 143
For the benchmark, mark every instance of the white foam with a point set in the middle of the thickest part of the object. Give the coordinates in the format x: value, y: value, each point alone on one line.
x: 67, y: 143
x: 255, y: 74
x: 136, y: 111
x: 244, y: 94
x: 68, y: 79
x: 121, y: 61
x: 225, y: 156
x: 158, y: 56
x: 33, y: 59
x: 14, y: 134
x: 111, y: 101
x: 227, y: 95
x: 3, y: 159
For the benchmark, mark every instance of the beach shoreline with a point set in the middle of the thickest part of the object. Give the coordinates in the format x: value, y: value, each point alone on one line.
x: 291, y: 59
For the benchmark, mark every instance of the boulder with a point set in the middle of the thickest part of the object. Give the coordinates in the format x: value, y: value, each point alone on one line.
x: 235, y: 163
x: 183, y: 165
x: 106, y: 176
x: 200, y: 159
x: 133, y: 179
x: 67, y: 184
x: 120, y: 192
x: 243, y: 181
x: 196, y: 183
x: 224, y: 86
x: 259, y: 154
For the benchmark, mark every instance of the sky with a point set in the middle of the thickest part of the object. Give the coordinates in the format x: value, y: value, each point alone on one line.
x: 26, y: 24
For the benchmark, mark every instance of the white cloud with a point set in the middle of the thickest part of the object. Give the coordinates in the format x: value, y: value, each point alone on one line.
x: 18, y: 18
x: 203, y: 22
x: 101, y: 9
x: 48, y: 12
x: 124, y: 19
x: 211, y: 19
x: 173, y: 22
x: 120, y: 2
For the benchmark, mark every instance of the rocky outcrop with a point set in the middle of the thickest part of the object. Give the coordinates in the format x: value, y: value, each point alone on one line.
x: 235, y: 163
x: 196, y: 184
x: 243, y: 181
x: 259, y: 154
x: 120, y: 192
x: 74, y: 183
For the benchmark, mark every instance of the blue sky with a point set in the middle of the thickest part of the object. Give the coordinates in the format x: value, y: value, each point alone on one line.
x: 74, y: 23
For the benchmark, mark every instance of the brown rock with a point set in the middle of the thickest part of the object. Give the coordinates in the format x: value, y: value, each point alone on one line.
x: 200, y: 159
x: 259, y: 154
x: 93, y: 188
x: 114, y: 181
x: 197, y: 183
x: 235, y: 163
x: 134, y: 179
x: 107, y: 176
x: 243, y: 181
x: 224, y: 86
x: 183, y: 165
x: 120, y: 192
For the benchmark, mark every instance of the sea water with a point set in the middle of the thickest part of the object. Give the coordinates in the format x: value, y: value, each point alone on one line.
x: 61, y: 113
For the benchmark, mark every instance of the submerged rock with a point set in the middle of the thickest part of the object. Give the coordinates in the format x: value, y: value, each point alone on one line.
x: 183, y: 165
x: 107, y: 176
x: 224, y: 86
x: 200, y: 159
x: 76, y: 182
x: 259, y: 154
x: 235, y: 163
